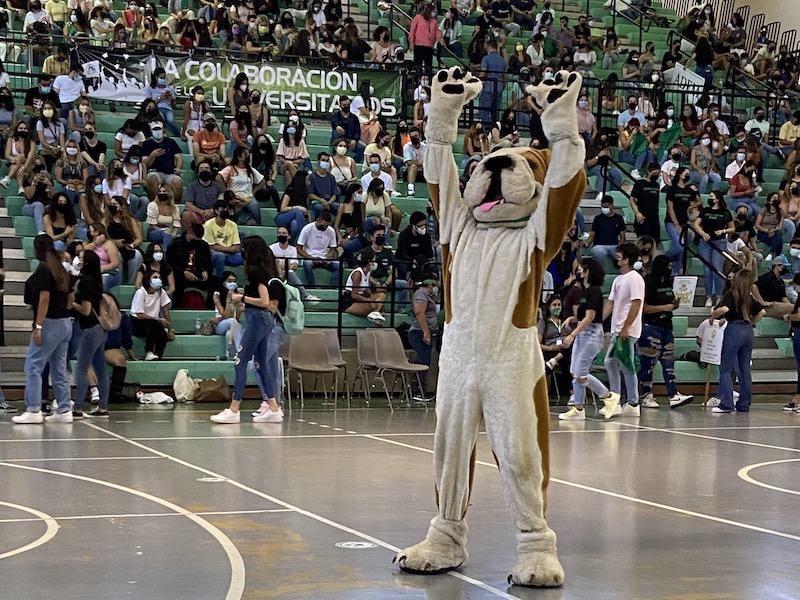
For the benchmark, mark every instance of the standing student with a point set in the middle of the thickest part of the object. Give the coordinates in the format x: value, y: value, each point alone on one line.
x: 794, y: 321
x: 91, y: 337
x: 263, y: 334
x: 423, y: 334
x: 46, y: 291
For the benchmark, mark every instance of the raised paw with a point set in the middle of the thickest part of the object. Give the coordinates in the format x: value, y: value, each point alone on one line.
x: 431, y: 558
x: 540, y: 569
x: 558, y: 98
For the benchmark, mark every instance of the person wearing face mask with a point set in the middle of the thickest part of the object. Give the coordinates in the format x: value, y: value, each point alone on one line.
x: 20, y: 151
x: 597, y: 162
x: 260, y: 41
x: 292, y: 153
x: 450, y: 29
x: 519, y: 59
x: 634, y: 148
x: 358, y: 298
x: 552, y: 329
x: 286, y: 261
x: 163, y: 218
x: 323, y: 191
x: 680, y: 200
x: 227, y: 314
x: 69, y: 87
x: 789, y: 132
x: 154, y: 260
x: 608, y: 231
x: 645, y: 201
x: 743, y: 189
x: 150, y: 310
x: 343, y: 167
x: 423, y: 35
x: 37, y: 188
x: 36, y: 96
x: 193, y: 110
x: 420, y: 111
x: 317, y: 245
x: 51, y: 133
x: 60, y: 222
x: 412, y: 242
x: 413, y: 157
x: 201, y: 195
x: 189, y: 255
x: 58, y: 62
x: 209, y: 143
x: 345, y: 126
x: 769, y: 290
x: 704, y: 167
x: 239, y: 94
x: 382, y: 276
x: 770, y: 225
x: 423, y: 333
x: 163, y: 157
x: 79, y: 117
x: 126, y: 233
x: 164, y: 95
x: 735, y: 165
x: 713, y: 226
x: 587, y: 124
x: 222, y: 235
x: 633, y: 112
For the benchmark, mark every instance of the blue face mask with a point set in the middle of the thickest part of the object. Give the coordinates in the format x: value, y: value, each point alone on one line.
x: 162, y: 81
x: 98, y: 188
x: 158, y: 134
x: 374, y: 167
x: 231, y: 285
x: 291, y: 130
x: 46, y: 89
x: 155, y: 283
x: 324, y: 165
x: 134, y: 160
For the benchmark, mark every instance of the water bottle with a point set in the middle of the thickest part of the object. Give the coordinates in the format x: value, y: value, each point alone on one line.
x: 197, y: 327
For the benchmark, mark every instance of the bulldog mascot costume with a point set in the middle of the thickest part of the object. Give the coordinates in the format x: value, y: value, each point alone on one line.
x: 496, y: 244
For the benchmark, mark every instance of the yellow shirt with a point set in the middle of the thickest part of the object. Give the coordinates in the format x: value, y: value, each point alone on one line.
x: 789, y: 132
x: 57, y: 10
x: 54, y: 67
x: 227, y: 235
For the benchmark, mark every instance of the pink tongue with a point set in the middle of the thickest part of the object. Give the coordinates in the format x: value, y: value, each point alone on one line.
x: 487, y: 206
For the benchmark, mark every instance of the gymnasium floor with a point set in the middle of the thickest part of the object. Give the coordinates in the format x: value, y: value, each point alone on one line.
x: 156, y: 503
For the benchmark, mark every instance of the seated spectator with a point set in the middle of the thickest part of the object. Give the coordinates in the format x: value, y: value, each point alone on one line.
x: 93, y: 151
x: 227, y: 313
x: 633, y: 112
x: 380, y: 147
x: 646, y: 245
x: 608, y: 232
x: 375, y: 173
x: 743, y: 190
x: 413, y: 242
x: 163, y: 218
x: 735, y: 165
x: 383, y: 273
x: 645, y: 202
x: 59, y: 221
x: 51, y: 135
x: 323, y: 192
x: 769, y: 290
x: 71, y: 172
x: 587, y: 124
x: 413, y: 157
x: 154, y: 261
x: 789, y: 132
x: 164, y: 95
x: 713, y: 226
x: 476, y: 145
x: 291, y: 153
x: 610, y: 99
x: 151, y: 316
x: 504, y: 132
x: 597, y: 163
x: 19, y: 152
x: 189, y: 255
x: 377, y: 203
x: 345, y: 126
x: 92, y: 205
x: 358, y: 297
x: 287, y: 263
x: 241, y: 129
x: 148, y: 113
x: 552, y: 330
x: 343, y: 168
x: 770, y: 225
x: 584, y: 59
x: 69, y: 88
x: 106, y: 250
x: 201, y: 195
x: 164, y: 159
x: 126, y: 233
x: 222, y: 235
x: 129, y: 134
x: 262, y: 159
x: 57, y: 63
x: 317, y: 246
x: 790, y: 203
x: 36, y: 96
x: 350, y: 215
x: 634, y: 148
x: 562, y: 266
x: 244, y: 182
x: 631, y: 73
x: 293, y: 209
x: 690, y: 128
x: 37, y: 188
x: 208, y: 143
x: 193, y: 111
x: 704, y: 166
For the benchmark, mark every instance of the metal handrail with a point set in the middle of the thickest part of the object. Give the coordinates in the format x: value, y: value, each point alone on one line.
x: 2, y: 299
x: 687, y: 248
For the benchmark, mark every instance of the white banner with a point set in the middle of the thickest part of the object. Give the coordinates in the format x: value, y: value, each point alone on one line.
x: 711, y: 348
x: 685, y: 287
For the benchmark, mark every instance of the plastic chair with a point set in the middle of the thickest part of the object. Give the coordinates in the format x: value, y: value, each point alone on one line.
x: 367, y: 361
x: 392, y: 358
x: 308, y: 353
x: 335, y: 356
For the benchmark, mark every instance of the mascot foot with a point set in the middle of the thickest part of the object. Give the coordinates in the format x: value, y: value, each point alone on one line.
x: 444, y: 549
x: 538, y: 564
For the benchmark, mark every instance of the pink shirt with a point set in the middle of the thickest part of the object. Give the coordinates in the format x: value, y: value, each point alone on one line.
x: 423, y: 32
x: 625, y: 289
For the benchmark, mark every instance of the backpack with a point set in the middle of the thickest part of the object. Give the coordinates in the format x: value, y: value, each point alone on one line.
x: 109, y: 315
x: 294, y: 318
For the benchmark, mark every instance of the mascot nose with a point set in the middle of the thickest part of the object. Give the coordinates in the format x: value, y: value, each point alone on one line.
x: 495, y: 164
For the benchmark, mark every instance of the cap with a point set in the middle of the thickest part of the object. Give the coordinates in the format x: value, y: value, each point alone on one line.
x: 780, y: 260
x: 417, y: 217
x: 209, y: 116
x: 156, y: 125
x: 429, y: 278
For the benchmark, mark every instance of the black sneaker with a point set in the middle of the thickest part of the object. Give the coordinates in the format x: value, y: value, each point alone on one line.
x: 47, y: 408
x: 97, y: 413
x: 77, y: 414
x: 6, y: 407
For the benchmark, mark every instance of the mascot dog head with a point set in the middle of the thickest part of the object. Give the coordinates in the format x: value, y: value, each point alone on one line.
x: 505, y: 188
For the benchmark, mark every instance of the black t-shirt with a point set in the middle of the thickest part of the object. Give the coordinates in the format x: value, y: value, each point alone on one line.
x: 523, y: 5
x: 591, y: 299
x: 714, y: 219
x: 251, y: 289
x: 655, y: 295
x: 35, y: 98
x: 669, y: 57
x: 93, y: 151
x: 43, y: 281
x: 277, y: 292
x: 91, y: 290
x: 747, y: 225
x: 681, y: 199
x: 117, y: 231
x: 645, y: 193
x: 163, y: 268
x: 501, y: 9
x: 607, y: 229
x: 690, y: 31
x: 770, y: 287
x: 734, y: 313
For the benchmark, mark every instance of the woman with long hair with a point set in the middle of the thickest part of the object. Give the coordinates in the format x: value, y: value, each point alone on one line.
x: 126, y: 233
x: 106, y: 250
x: 350, y: 216
x: 20, y: 150
x: 241, y: 129
x: 50, y: 132
x: 361, y: 106
x: 704, y: 164
x: 293, y: 211
x: 154, y: 260
x: 37, y: 188
x: 588, y: 339
x: 80, y: 116
x: 71, y: 172
x: 505, y: 133
x: 770, y: 223
x: 193, y: 110
x: 46, y: 292
x: 239, y: 93
x: 657, y: 344
x: 164, y: 96
x: 264, y: 298
x: 291, y: 152
x: 163, y: 217
x: 713, y: 225
x: 552, y: 330
x: 226, y: 313
x: 262, y: 159
x: 92, y: 205
x: 59, y: 221
x: 358, y: 297
x: 245, y: 182
x: 151, y: 316
x: 92, y: 337
x: 741, y: 312
x: 423, y: 36
x: 343, y: 167
x: 476, y: 144
x: 680, y: 199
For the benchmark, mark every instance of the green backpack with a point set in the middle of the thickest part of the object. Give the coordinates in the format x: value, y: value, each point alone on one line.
x: 294, y: 318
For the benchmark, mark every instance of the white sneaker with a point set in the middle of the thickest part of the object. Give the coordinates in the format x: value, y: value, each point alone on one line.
x: 713, y: 401
x: 28, y: 418
x: 395, y: 194
x: 629, y: 410
x: 410, y: 189
x: 611, y: 408
x: 376, y: 318
x: 649, y: 402
x: 226, y: 416
x: 151, y: 356
x: 679, y: 400
x: 768, y: 258
x: 573, y: 414
x: 709, y: 303
x: 571, y: 401
x: 269, y: 417
x: 599, y: 196
x: 636, y: 175
x: 721, y: 411
x: 65, y: 417
x: 736, y: 395
x: 311, y: 300
x: 5, y: 181
x: 584, y: 236
x: 262, y: 409
x: 95, y: 395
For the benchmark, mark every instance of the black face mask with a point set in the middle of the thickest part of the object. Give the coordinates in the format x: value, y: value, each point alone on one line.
x: 211, y: 126
x: 224, y: 214
x: 759, y: 118
x: 631, y: 106
x: 379, y: 191
x: 23, y: 135
x: 205, y: 176
x: 741, y: 217
x: 119, y: 172
x: 415, y: 141
x: 38, y: 169
x: 403, y: 129
x: 62, y: 208
x: 113, y: 210
x: 163, y: 197
x: 654, y: 178
x: 282, y: 239
x: 676, y: 157
x: 380, y: 240
x: 89, y: 135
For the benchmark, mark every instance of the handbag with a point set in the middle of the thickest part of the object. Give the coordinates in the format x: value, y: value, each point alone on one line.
x: 213, y: 390
x: 208, y: 327
x: 184, y: 386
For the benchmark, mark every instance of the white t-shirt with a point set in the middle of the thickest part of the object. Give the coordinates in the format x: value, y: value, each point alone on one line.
x: 5, y: 80
x: 128, y: 141
x: 117, y: 188
x: 722, y: 127
x: 149, y: 304
x: 736, y: 246
x: 762, y: 125
x: 68, y: 89
x: 732, y: 169
x: 316, y: 242
x: 625, y: 289
x: 668, y: 167
x: 280, y: 253
x: 356, y: 104
x: 384, y: 177
x: 239, y: 181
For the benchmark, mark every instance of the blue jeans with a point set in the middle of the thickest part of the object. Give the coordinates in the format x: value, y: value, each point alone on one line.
x: 423, y: 352
x: 490, y: 100
x: 273, y: 362
x: 294, y: 220
x: 737, y: 350
x: 675, y: 251
x: 220, y: 259
x: 584, y: 350
x: 160, y: 236
x: 707, y: 73
x: 91, y: 351
x: 639, y: 161
x: 252, y: 210
x: 713, y: 281
x: 260, y: 323
x: 317, y: 208
x: 293, y: 279
x: 604, y: 255
x: 111, y: 279
x: 614, y: 174
x: 795, y: 348
x: 137, y: 205
x: 35, y: 210
x: 169, y: 118
x: 333, y: 266
x: 774, y: 243
x: 226, y: 325
x: 617, y: 372
x: 703, y: 180
x: 56, y: 334
x: 657, y: 344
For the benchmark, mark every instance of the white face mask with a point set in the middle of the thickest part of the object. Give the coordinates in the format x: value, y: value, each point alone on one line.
x: 422, y: 230
x: 605, y: 210
x: 76, y: 262
x: 158, y: 256
x: 637, y: 266
x: 794, y: 252
x: 705, y: 141
x: 231, y: 285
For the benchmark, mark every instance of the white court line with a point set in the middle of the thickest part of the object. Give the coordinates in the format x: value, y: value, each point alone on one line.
x: 236, y: 587
x: 744, y: 473
x: 210, y: 513
x: 587, y: 488
x: 297, y: 509
x: 73, y: 459
x: 49, y: 534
